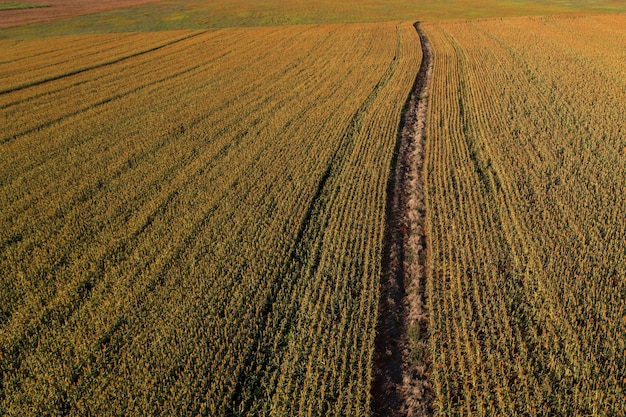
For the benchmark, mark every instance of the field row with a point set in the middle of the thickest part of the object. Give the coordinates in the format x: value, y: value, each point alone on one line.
x: 197, y: 229
x: 526, y: 173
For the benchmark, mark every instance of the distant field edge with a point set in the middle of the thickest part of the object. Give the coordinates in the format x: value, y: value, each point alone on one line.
x: 158, y: 15
x: 43, y: 15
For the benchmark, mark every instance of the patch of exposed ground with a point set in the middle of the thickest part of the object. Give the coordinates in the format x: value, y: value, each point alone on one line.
x: 61, y: 8
x: 401, y: 364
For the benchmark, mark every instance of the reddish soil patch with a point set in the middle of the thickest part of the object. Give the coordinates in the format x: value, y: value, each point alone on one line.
x: 62, y: 8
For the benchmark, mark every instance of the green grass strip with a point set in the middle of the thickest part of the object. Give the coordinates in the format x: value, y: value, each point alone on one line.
x: 16, y: 5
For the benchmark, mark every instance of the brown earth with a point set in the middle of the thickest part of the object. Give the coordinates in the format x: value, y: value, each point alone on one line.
x: 60, y: 9
x: 401, y: 369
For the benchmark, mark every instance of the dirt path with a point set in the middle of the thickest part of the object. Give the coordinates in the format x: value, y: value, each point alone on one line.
x: 401, y: 363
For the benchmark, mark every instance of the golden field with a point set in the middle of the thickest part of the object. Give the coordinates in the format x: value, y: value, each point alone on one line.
x: 192, y: 221
x: 198, y: 213
x: 526, y: 178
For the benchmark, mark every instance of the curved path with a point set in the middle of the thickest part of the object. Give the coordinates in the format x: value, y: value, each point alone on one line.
x: 401, y: 364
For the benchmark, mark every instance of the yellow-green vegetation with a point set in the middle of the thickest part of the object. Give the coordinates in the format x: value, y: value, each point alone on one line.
x: 526, y: 178
x: 191, y: 222
x: 199, y: 14
x: 192, y: 213
x: 16, y: 5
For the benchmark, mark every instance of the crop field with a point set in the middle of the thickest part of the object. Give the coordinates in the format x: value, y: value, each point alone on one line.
x: 289, y: 208
x: 158, y: 15
x: 191, y: 222
x: 526, y: 178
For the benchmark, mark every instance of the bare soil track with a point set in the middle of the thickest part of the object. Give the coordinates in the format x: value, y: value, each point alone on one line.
x: 60, y: 9
x: 401, y: 363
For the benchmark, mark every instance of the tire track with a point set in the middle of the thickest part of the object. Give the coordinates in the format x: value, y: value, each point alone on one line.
x: 401, y: 385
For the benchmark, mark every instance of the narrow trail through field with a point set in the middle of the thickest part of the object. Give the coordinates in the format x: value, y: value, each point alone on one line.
x: 401, y: 364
